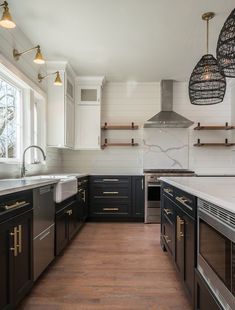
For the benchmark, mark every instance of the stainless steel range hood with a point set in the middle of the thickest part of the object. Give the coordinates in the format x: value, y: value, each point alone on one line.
x: 167, y: 117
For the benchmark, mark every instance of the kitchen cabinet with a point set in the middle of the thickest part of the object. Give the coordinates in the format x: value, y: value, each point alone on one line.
x: 88, y: 132
x: 138, y: 196
x: 204, y: 298
x: 16, y: 270
x: 116, y: 197
x: 178, y: 232
x: 67, y: 223
x: 88, y: 113
x: 61, y: 107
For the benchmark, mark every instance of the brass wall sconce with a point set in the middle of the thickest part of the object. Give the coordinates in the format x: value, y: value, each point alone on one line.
x: 38, y: 59
x: 57, y: 82
x: 6, y: 20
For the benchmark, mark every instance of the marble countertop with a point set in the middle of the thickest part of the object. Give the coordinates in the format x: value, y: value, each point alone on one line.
x: 217, y: 190
x: 8, y: 186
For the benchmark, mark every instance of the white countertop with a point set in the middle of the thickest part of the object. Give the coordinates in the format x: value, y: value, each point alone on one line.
x: 217, y: 190
x: 8, y: 186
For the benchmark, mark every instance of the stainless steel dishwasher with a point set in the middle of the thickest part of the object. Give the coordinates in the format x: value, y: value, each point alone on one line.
x: 44, y: 228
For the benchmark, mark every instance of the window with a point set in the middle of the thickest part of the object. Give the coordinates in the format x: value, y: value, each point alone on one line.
x: 10, y: 120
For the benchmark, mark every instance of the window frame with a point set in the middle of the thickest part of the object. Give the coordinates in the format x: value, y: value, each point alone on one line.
x: 30, y: 92
x: 11, y: 82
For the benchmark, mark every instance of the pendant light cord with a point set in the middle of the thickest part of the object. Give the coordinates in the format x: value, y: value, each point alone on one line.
x: 207, y: 36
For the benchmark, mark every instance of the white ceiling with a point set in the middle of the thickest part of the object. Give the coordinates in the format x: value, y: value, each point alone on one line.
x: 125, y: 40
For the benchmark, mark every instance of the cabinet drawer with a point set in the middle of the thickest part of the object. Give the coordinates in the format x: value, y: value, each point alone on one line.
x: 186, y: 202
x: 107, y: 180
x: 110, y: 193
x: 168, y: 190
x: 168, y: 234
x: 168, y: 208
x: 110, y: 209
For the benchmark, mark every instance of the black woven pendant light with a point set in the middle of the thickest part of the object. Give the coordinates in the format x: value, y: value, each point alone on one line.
x: 207, y: 85
x: 226, y: 47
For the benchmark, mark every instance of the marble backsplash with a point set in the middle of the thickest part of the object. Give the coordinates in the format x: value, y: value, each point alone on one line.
x: 165, y: 148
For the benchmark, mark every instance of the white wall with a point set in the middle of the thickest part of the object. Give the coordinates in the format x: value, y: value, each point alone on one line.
x: 15, y: 38
x: 124, y: 103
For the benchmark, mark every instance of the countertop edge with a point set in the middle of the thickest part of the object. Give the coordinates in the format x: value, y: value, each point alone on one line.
x: 27, y: 187
x: 214, y: 200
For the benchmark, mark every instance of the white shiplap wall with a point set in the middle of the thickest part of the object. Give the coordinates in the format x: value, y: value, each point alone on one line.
x: 15, y: 38
x: 126, y: 102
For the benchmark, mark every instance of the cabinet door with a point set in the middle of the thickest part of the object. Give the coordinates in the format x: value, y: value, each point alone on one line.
x: 73, y: 219
x: 89, y: 94
x: 138, y: 196
x: 185, y: 250
x: 87, y: 127
x: 179, y: 253
x: 5, y: 230
x: 69, y: 122
x: 61, y: 230
x: 21, y: 278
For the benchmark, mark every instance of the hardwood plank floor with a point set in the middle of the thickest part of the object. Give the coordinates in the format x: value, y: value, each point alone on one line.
x: 110, y: 266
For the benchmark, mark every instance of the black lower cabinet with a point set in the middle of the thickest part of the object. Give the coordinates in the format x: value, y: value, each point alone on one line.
x: 204, y: 298
x: 68, y: 220
x: 178, y: 233
x: 16, y: 272
x: 116, y: 197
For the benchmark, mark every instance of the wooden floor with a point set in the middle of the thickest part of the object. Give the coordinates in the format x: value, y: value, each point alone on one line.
x: 110, y: 266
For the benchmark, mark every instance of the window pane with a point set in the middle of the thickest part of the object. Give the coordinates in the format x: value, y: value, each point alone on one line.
x: 9, y: 119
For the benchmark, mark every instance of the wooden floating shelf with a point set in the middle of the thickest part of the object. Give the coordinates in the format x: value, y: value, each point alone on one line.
x: 120, y: 127
x: 106, y: 144
x: 226, y: 143
x: 226, y: 127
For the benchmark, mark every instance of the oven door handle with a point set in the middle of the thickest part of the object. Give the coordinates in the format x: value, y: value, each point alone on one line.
x: 154, y: 185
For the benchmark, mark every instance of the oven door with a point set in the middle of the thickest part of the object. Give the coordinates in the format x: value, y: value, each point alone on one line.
x: 216, y: 251
x: 154, y: 195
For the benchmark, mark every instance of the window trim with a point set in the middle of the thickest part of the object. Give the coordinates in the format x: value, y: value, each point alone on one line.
x: 28, y: 87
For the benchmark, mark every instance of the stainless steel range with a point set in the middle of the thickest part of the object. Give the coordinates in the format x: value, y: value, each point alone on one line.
x: 153, y: 190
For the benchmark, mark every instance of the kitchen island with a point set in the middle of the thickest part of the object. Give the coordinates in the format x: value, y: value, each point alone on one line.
x: 198, y: 232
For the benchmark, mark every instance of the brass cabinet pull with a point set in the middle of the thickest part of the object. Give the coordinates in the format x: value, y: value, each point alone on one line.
x: 110, y: 180
x: 167, y: 211
x: 110, y: 193
x: 15, y: 205
x: 167, y: 239
x: 14, y: 248
x: 180, y: 228
x: 19, y: 232
x: 110, y: 209
x: 69, y: 212
x: 84, y: 196
x: 168, y: 191
x: 184, y: 201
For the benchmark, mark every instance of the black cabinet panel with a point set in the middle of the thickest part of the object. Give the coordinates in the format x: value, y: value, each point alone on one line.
x: 138, y: 196
x: 16, y: 271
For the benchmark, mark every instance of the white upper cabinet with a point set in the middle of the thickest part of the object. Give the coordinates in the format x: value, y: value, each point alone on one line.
x: 88, y: 113
x: 61, y: 107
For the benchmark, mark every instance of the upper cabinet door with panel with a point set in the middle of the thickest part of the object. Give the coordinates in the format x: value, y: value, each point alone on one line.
x: 61, y: 106
x: 87, y: 128
x: 89, y: 95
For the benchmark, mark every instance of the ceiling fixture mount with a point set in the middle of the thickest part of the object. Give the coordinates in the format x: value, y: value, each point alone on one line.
x: 57, y: 82
x: 38, y: 59
x: 207, y: 85
x: 6, y: 20
x: 226, y: 47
